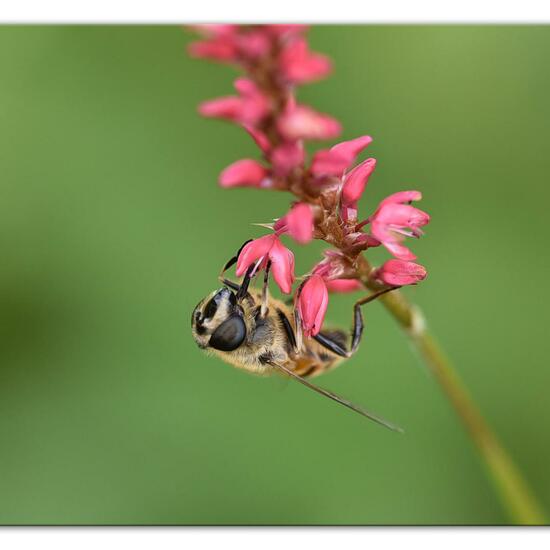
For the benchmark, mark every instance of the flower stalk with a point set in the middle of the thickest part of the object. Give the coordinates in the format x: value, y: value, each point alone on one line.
x: 327, y: 192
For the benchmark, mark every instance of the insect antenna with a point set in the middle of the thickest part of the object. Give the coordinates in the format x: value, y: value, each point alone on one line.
x: 338, y: 399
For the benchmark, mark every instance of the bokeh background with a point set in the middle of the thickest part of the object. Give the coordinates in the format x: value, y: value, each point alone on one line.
x: 112, y: 227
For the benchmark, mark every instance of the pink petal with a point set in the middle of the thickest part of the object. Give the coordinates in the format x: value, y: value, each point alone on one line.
x: 352, y: 147
x: 228, y: 107
x: 254, y: 44
x: 299, y: 65
x: 334, y: 161
x: 402, y: 197
x: 399, y: 251
x: 259, y: 138
x: 312, y: 305
x: 404, y: 215
x: 399, y: 273
x: 286, y: 30
x: 286, y: 157
x: 217, y: 49
x: 298, y: 223
x: 243, y: 173
x: 253, y: 251
x: 356, y: 181
x: 344, y: 285
x: 301, y: 122
x: 282, y: 265
x: 210, y: 29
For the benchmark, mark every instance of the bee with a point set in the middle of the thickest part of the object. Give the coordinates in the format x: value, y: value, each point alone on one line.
x: 253, y: 331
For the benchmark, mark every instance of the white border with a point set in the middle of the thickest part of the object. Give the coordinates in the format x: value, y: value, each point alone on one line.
x: 342, y: 11
x: 273, y: 538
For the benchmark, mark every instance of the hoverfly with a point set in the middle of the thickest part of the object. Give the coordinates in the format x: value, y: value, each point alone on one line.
x: 251, y: 330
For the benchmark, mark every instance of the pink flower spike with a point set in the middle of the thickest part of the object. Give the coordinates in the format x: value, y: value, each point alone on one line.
x: 298, y: 223
x: 333, y: 161
x: 298, y: 65
x: 312, y: 305
x: 267, y: 248
x: 400, y: 273
x: 343, y: 285
x: 243, y: 173
x: 286, y: 157
x: 302, y: 122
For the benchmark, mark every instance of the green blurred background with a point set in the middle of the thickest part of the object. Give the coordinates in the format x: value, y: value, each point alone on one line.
x: 112, y: 228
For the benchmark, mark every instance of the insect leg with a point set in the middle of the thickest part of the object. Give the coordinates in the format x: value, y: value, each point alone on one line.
x: 330, y: 344
x: 230, y: 263
x: 243, y: 289
x: 357, y: 330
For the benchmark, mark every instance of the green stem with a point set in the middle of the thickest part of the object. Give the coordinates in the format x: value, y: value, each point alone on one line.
x: 512, y: 488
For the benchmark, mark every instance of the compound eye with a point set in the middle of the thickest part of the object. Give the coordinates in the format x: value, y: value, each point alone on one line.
x: 229, y: 335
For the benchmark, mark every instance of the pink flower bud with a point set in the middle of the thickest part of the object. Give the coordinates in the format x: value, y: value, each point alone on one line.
x: 286, y: 30
x: 243, y: 173
x: 312, y: 304
x: 353, y: 187
x: 269, y: 247
x: 254, y: 44
x: 302, y: 122
x: 399, y: 273
x: 344, y: 285
x: 298, y: 65
x: 219, y: 49
x: 259, y: 138
x: 333, y: 161
x: 286, y: 157
x: 298, y: 223
x: 249, y: 108
x: 214, y: 29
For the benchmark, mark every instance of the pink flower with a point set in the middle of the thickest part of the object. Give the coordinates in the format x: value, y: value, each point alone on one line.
x: 394, y: 220
x: 332, y: 266
x: 253, y: 44
x: 219, y: 48
x: 399, y: 273
x: 333, y: 161
x: 353, y: 187
x: 302, y: 122
x: 285, y: 30
x: 286, y: 157
x: 249, y: 108
x: 298, y: 65
x: 230, y: 43
x: 244, y: 173
x: 269, y: 247
x: 298, y: 223
x: 312, y: 304
x: 343, y: 285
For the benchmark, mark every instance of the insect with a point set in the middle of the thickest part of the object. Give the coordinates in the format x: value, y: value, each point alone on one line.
x: 251, y: 330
